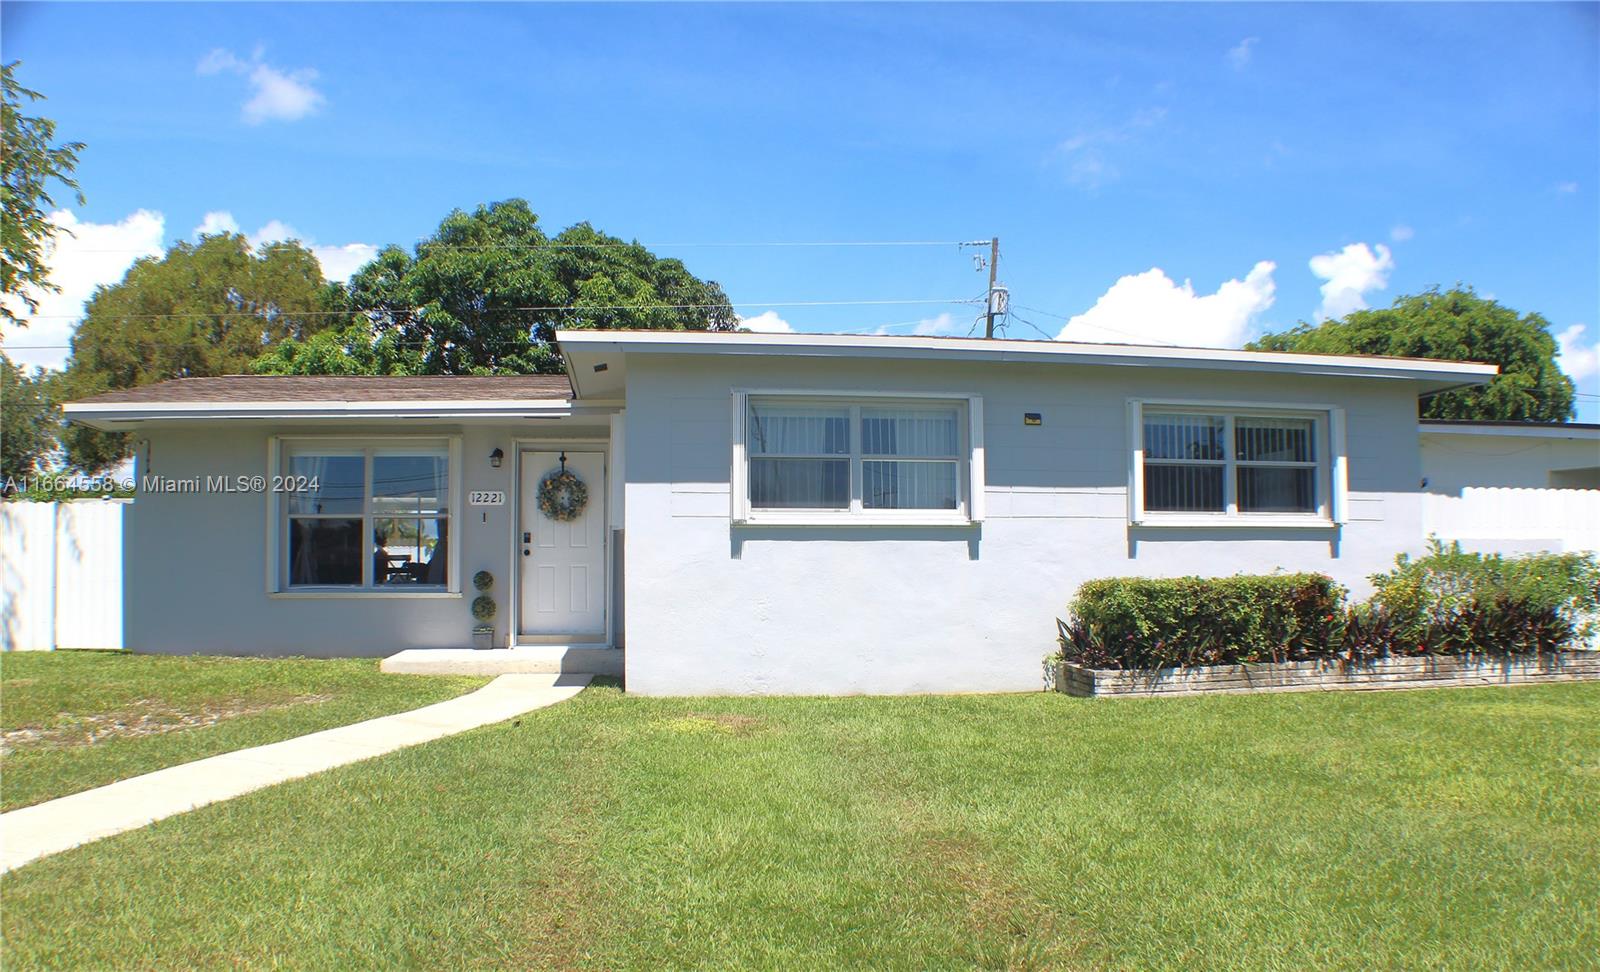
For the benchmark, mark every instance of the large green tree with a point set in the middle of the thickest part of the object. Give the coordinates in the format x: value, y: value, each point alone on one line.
x: 203, y: 309
x: 29, y: 422
x: 1456, y: 325
x: 30, y: 162
x: 486, y: 292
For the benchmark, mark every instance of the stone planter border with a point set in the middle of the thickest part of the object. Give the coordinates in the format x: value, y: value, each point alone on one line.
x: 1431, y: 671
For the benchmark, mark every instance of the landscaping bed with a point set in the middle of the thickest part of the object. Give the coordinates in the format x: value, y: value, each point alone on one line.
x: 1328, y: 675
x: 1449, y: 618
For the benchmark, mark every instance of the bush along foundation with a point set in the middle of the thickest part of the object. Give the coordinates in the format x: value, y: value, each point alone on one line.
x: 1446, y: 618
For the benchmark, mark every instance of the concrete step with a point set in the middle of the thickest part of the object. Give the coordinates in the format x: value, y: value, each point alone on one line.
x: 527, y: 659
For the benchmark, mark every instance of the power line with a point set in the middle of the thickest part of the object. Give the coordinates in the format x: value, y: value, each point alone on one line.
x: 1139, y: 338
x: 198, y: 315
x: 740, y: 244
x: 1037, y: 329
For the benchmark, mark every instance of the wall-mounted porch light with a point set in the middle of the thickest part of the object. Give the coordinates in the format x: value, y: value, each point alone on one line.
x: 496, y: 457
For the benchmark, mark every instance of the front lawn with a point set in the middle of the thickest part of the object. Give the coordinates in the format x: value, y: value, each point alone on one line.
x: 1428, y: 829
x: 73, y: 720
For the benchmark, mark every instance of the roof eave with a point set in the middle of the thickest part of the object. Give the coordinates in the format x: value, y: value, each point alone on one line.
x: 111, y: 416
x: 1433, y: 375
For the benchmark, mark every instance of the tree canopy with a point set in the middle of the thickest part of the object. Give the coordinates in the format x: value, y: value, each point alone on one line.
x: 29, y: 164
x: 204, y: 309
x: 28, y: 421
x: 1459, y: 325
x: 485, y: 293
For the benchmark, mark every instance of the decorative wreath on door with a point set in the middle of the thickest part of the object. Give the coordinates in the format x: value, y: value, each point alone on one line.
x: 562, y: 495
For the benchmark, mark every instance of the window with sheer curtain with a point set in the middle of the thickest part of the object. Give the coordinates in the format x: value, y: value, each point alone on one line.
x: 854, y: 457
x: 366, y: 517
x: 1233, y: 463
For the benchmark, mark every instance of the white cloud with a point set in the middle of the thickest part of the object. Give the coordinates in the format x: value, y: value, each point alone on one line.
x: 338, y: 262
x: 942, y: 325
x: 1580, y: 359
x: 217, y: 221
x: 275, y: 231
x: 1239, y: 54
x: 219, y: 60
x: 766, y: 322
x: 1087, y: 154
x: 94, y: 254
x: 276, y: 95
x: 1566, y: 188
x: 1149, y: 308
x: 1401, y: 233
x: 1348, y: 275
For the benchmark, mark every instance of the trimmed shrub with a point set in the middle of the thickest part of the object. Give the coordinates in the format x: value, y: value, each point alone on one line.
x: 1445, y: 603
x: 483, y: 608
x: 1451, y: 603
x: 1144, y: 623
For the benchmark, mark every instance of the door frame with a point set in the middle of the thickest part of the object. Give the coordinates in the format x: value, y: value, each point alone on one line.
x: 520, y: 447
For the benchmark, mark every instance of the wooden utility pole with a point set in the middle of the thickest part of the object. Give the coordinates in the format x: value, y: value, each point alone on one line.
x: 994, y: 266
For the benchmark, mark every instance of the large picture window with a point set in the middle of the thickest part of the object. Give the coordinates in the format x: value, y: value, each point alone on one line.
x: 885, y: 458
x: 1232, y: 463
x: 371, y: 517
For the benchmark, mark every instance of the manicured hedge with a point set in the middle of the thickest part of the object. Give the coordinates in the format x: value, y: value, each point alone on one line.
x: 1138, y: 622
x: 1446, y: 603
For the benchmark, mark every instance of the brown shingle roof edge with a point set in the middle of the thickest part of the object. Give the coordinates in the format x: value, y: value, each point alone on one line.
x: 269, y: 389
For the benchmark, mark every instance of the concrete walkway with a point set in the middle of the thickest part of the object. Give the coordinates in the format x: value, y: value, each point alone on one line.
x: 49, y: 828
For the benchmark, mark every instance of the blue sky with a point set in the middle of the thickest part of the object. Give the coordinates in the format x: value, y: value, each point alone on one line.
x: 1183, y: 174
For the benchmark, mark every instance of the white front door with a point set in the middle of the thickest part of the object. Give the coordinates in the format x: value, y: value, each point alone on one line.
x: 563, y: 563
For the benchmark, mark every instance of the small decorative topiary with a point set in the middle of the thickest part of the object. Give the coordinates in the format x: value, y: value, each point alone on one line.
x: 483, y: 607
x: 483, y: 580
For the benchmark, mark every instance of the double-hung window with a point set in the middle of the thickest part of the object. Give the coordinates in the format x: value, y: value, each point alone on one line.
x: 1235, y: 464
x: 365, y: 517
x: 870, y: 459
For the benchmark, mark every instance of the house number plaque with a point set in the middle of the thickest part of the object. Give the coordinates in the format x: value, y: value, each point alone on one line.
x: 486, y: 497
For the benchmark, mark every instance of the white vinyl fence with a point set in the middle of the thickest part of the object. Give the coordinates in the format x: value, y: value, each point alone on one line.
x: 1508, y: 520
x: 61, y: 575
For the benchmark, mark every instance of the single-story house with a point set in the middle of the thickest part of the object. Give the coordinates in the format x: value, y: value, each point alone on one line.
x: 758, y: 513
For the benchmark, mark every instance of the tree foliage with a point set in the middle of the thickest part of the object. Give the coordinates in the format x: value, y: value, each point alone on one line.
x: 29, y: 163
x: 203, y: 309
x: 29, y: 421
x: 1457, y: 325
x: 486, y: 292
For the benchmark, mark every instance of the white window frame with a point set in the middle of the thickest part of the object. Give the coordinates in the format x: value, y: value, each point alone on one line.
x: 278, y: 449
x: 969, y: 459
x: 1332, y: 464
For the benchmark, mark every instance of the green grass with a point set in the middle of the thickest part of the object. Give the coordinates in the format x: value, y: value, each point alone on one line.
x: 1428, y: 829
x: 145, y: 712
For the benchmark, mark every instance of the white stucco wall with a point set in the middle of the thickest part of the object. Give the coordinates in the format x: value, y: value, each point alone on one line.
x: 1452, y: 461
x: 195, y: 565
x: 718, y: 608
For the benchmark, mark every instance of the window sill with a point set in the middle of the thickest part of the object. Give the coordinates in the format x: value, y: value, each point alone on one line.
x: 1257, y: 522
x: 852, y: 520
x: 363, y: 593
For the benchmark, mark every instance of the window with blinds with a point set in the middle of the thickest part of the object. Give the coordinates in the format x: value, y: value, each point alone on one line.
x: 855, y: 456
x: 1232, y: 462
